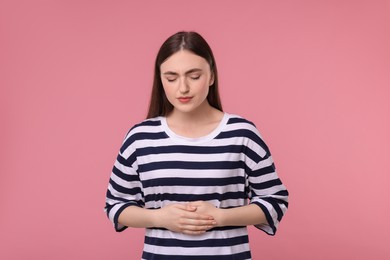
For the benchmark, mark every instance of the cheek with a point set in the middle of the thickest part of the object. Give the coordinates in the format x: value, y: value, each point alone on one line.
x: 205, y: 87
x: 166, y: 87
x: 168, y: 92
x: 203, y: 92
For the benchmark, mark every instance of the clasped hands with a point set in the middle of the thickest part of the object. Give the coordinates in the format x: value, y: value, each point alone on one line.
x: 193, y: 218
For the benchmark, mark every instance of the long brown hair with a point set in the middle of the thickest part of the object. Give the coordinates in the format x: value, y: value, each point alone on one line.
x: 191, y: 41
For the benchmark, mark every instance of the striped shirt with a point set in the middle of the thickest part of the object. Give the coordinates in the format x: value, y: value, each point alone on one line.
x: 230, y: 167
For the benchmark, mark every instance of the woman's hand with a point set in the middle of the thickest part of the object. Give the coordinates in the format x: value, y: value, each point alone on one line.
x: 185, y: 218
x: 206, y: 208
x: 237, y: 216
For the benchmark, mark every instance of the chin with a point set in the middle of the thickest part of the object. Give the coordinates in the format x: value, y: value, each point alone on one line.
x: 182, y: 109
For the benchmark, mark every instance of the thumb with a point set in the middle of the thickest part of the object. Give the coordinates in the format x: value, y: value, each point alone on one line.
x: 191, y: 207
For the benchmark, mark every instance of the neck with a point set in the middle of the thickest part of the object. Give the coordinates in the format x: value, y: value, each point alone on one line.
x: 202, y: 114
x: 196, y: 123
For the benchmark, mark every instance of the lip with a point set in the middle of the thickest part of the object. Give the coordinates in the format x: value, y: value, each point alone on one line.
x: 184, y: 99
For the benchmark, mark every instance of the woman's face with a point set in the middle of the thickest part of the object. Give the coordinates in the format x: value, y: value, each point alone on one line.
x: 186, y: 78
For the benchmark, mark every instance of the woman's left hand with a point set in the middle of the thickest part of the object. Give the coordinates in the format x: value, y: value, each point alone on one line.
x: 207, y: 208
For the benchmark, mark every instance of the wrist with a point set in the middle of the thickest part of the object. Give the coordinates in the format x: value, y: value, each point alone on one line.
x: 220, y: 217
x: 155, y: 218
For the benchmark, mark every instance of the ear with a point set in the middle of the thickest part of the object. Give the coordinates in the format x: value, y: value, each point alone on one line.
x: 211, y: 79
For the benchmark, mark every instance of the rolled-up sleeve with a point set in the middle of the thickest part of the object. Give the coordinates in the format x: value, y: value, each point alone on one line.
x: 268, y: 192
x: 124, y: 189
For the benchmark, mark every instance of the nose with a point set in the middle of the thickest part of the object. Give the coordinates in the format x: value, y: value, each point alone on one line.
x: 183, y: 86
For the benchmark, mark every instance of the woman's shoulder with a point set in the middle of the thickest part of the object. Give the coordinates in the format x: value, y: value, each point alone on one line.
x: 145, y: 126
x: 155, y: 121
x: 145, y: 130
x: 240, y: 121
x: 241, y: 127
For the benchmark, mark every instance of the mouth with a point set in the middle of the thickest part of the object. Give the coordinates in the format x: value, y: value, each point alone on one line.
x: 184, y: 99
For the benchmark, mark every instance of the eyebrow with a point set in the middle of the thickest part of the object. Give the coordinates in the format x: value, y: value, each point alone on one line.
x: 187, y: 72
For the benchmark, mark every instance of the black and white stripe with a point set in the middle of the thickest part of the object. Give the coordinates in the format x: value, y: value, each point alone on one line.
x: 230, y: 167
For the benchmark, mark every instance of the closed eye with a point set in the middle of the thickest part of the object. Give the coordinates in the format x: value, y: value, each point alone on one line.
x: 171, y: 79
x: 195, y: 77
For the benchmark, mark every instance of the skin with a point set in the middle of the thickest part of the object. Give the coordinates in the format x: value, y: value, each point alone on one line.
x: 186, y: 75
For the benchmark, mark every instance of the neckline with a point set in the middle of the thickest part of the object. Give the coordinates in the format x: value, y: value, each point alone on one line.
x: 202, y: 139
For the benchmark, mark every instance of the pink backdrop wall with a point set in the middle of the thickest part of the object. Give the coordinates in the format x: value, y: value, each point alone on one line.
x: 313, y: 75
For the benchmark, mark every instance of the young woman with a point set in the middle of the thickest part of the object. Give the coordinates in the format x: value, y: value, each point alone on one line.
x: 193, y: 176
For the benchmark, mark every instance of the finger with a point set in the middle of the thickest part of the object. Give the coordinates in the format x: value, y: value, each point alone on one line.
x: 197, y: 223
x: 190, y: 229
x: 190, y: 207
x: 197, y: 215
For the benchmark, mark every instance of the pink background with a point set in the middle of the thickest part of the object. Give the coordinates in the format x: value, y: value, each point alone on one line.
x: 313, y: 75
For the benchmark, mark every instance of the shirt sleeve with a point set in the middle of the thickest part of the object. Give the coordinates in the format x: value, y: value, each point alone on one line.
x: 124, y: 188
x: 265, y: 189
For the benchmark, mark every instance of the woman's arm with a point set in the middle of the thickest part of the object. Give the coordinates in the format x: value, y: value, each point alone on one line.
x: 239, y: 216
x: 182, y: 218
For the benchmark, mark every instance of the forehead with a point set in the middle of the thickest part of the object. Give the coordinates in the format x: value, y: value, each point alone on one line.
x: 182, y: 61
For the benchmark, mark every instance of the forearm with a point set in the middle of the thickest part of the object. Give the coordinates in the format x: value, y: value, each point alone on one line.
x: 137, y: 217
x: 241, y: 216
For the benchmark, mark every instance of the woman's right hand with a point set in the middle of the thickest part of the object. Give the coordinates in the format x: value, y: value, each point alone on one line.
x: 183, y: 218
